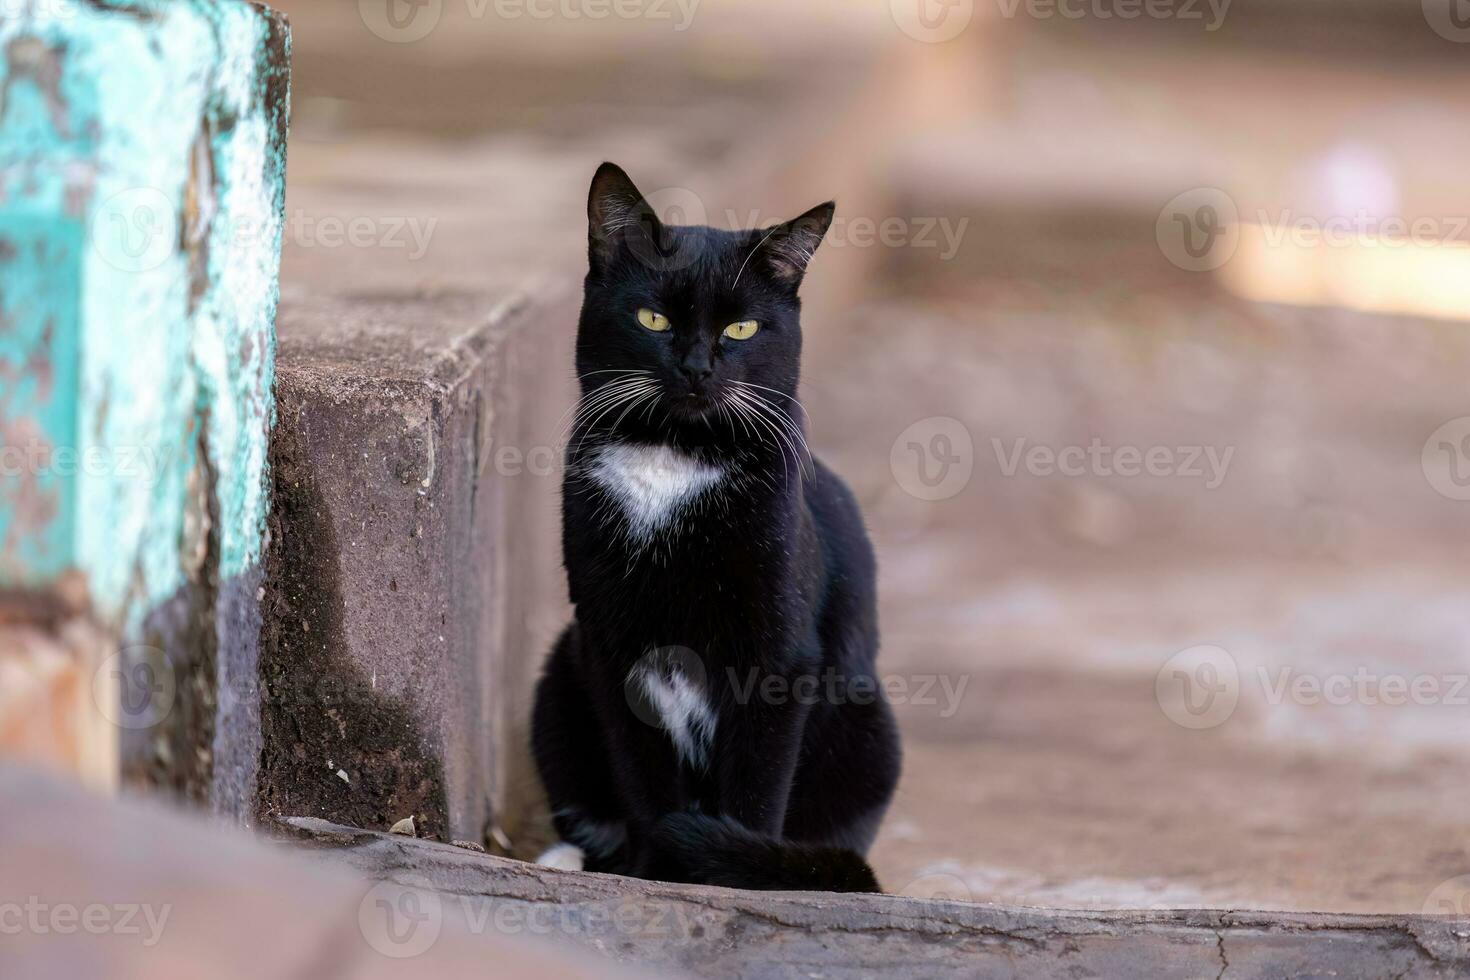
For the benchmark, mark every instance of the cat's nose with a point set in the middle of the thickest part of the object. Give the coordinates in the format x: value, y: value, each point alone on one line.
x: 697, y: 373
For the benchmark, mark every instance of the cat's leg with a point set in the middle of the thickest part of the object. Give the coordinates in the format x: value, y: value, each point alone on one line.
x: 832, y: 779
x: 571, y: 755
x: 610, y: 776
x: 850, y: 756
x: 646, y: 773
x: 759, y: 747
x: 849, y: 768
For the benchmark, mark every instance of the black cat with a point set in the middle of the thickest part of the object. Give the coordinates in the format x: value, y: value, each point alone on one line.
x: 712, y: 714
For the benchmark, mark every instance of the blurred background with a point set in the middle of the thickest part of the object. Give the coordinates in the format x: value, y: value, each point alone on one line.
x: 1140, y: 334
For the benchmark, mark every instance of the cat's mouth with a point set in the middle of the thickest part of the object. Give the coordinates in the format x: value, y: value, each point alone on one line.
x: 693, y: 404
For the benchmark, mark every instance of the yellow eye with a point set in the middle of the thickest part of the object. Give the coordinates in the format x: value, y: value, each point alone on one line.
x: 656, y: 322
x: 743, y: 330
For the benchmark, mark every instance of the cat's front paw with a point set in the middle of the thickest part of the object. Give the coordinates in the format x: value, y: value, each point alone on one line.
x: 566, y: 857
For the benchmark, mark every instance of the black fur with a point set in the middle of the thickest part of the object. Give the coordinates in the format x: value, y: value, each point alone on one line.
x: 760, y: 595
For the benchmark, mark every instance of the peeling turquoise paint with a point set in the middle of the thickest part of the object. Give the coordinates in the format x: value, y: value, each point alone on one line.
x: 38, y: 379
x: 142, y: 176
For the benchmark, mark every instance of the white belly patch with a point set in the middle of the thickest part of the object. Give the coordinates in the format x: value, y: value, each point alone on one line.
x: 651, y: 483
x: 683, y: 711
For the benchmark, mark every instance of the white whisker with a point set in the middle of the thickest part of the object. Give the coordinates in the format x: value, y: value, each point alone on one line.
x: 788, y: 429
x: 562, y: 423
x: 633, y: 394
x: 780, y: 443
x: 752, y: 255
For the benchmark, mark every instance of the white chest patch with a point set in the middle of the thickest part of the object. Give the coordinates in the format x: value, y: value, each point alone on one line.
x: 684, y: 712
x: 651, y: 483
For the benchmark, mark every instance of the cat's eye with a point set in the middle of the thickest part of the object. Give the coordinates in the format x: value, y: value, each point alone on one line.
x: 656, y: 322
x: 742, y: 329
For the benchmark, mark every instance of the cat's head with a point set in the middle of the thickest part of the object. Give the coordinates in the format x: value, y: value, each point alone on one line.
x: 693, y: 318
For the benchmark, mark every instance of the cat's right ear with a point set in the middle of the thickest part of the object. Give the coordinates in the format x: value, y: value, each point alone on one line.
x: 615, y: 210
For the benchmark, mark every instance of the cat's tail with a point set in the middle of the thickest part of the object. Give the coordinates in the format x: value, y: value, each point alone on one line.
x: 721, y: 851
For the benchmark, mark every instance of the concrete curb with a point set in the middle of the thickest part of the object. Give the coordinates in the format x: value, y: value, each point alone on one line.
x: 717, y: 932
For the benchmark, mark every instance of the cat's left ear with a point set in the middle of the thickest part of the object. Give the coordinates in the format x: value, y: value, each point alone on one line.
x: 789, y: 247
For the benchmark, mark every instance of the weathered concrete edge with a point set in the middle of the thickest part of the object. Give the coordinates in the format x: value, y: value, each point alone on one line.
x: 401, y: 391
x: 1440, y: 945
x: 443, y: 372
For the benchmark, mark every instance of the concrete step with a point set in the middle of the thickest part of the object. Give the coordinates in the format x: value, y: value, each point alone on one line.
x: 1068, y: 171
x: 408, y: 552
